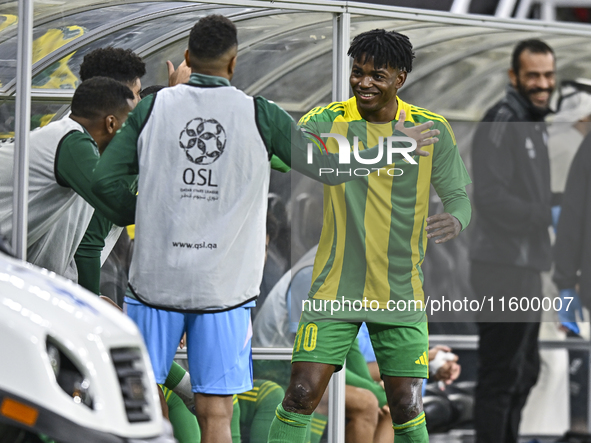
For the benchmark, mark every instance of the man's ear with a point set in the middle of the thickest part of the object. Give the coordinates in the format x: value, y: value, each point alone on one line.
x: 187, y: 58
x: 512, y: 77
x: 232, y: 66
x: 111, y: 124
x: 400, y: 79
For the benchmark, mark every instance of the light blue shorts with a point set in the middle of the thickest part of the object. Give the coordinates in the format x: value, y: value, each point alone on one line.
x: 218, y: 345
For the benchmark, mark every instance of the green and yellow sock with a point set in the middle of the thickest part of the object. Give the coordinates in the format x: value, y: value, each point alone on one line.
x: 184, y: 423
x: 317, y: 427
x: 179, y: 381
x: 413, y: 431
x: 288, y: 427
x: 262, y: 402
x: 175, y: 376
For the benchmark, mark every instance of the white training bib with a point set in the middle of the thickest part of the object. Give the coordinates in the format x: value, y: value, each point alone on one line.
x: 58, y: 217
x: 202, y: 201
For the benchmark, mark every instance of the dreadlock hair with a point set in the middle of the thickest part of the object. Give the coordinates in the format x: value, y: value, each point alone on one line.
x: 386, y: 48
x: 534, y: 46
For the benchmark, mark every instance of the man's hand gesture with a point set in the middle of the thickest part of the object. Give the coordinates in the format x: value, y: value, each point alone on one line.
x: 178, y: 75
x: 421, y: 133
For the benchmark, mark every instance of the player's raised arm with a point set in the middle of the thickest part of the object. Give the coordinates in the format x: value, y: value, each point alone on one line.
x: 289, y: 142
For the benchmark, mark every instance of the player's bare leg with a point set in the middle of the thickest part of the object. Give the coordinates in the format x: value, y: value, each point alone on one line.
x: 307, y: 384
x: 384, y: 432
x: 214, y: 414
x: 361, y: 410
x: 406, y: 408
x: 163, y: 404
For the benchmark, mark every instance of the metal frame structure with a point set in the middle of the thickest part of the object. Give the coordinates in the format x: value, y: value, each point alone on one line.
x: 22, y: 127
x: 342, y: 11
x: 340, y: 92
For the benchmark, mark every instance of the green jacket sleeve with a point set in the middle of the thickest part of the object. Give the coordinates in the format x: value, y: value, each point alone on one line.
x: 76, y: 159
x: 449, y: 176
x: 119, y: 165
x: 278, y: 165
x: 284, y: 139
x: 89, y: 272
x: 456, y: 203
x: 88, y: 254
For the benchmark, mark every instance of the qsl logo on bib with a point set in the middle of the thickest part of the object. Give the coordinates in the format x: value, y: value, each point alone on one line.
x: 203, y: 141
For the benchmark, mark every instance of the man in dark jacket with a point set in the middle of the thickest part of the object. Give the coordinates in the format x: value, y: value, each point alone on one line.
x: 510, y: 244
x: 572, y: 254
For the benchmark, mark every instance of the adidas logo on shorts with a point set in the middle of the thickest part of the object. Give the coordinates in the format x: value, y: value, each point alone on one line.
x: 423, y: 360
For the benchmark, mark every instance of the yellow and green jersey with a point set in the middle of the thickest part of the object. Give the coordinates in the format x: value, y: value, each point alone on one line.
x: 373, y: 237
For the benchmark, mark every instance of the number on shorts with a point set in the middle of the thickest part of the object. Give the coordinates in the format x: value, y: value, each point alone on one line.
x: 309, y: 337
x: 298, y: 338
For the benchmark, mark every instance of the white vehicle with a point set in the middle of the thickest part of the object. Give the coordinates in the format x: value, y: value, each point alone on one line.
x: 72, y: 367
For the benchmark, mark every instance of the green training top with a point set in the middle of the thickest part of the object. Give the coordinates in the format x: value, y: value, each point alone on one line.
x: 75, y: 162
x: 373, y: 237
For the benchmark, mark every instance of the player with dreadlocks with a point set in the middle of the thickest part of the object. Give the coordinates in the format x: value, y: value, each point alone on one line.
x: 372, y: 245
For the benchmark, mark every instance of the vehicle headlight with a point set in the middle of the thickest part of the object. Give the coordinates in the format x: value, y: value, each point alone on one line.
x: 68, y: 375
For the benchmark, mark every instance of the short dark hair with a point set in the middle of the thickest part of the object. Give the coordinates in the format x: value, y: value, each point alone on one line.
x: 386, y: 48
x: 151, y: 90
x: 120, y: 64
x: 100, y: 96
x: 212, y: 36
x: 534, y: 46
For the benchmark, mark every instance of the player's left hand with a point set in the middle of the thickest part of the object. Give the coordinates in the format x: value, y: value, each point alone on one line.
x: 444, y: 227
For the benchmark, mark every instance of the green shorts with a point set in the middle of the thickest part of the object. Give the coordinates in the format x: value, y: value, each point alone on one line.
x: 401, y: 349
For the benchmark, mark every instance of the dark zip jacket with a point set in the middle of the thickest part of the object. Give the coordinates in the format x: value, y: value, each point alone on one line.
x: 512, y: 197
x: 572, y: 250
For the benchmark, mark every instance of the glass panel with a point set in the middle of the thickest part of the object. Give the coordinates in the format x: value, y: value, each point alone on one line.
x: 49, y: 8
x: 443, y: 83
x: 49, y: 37
x: 42, y: 113
x: 305, y: 87
x: 8, y: 22
x: 132, y: 37
x: 284, y: 57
